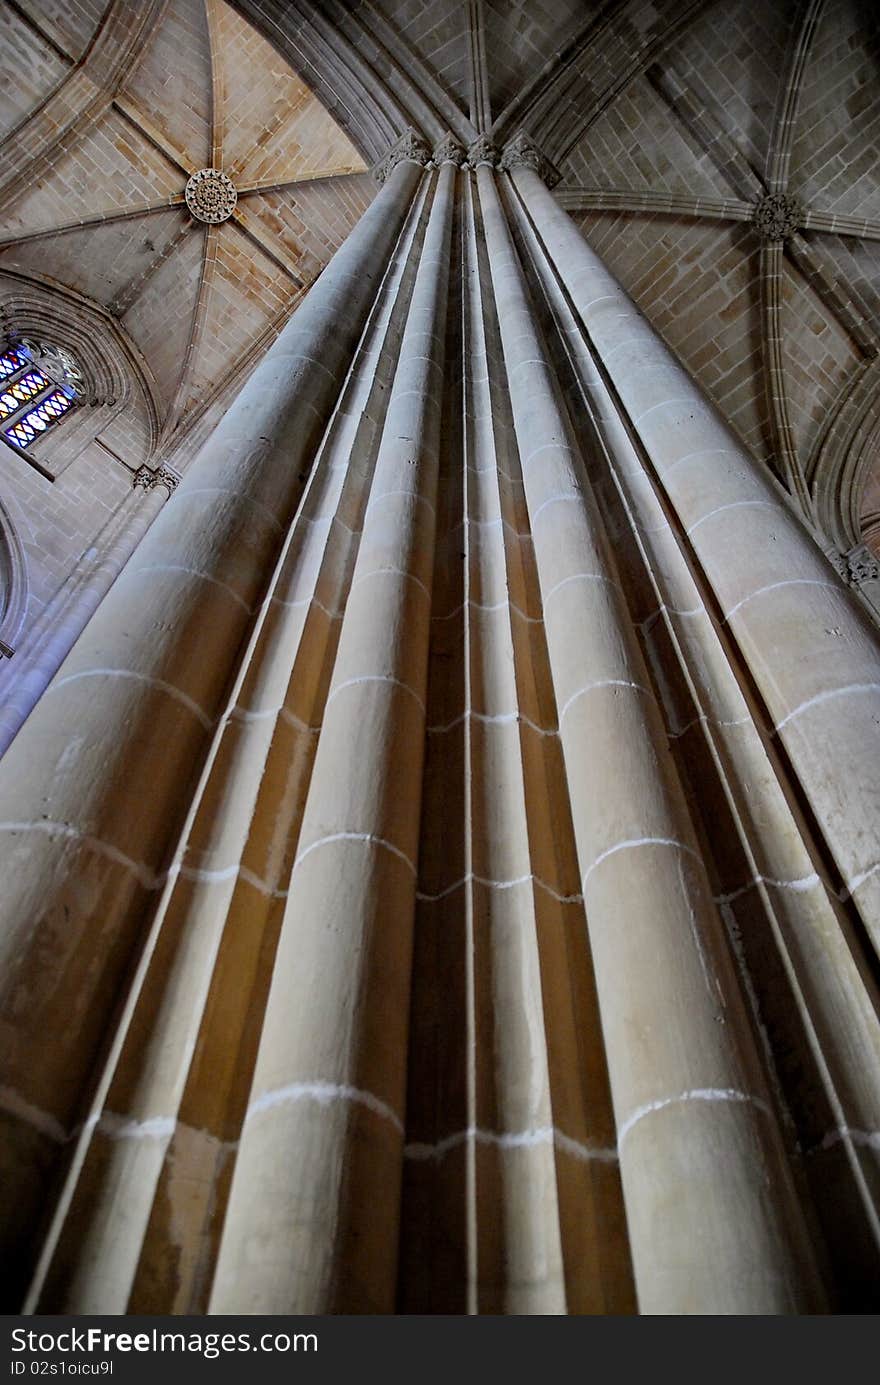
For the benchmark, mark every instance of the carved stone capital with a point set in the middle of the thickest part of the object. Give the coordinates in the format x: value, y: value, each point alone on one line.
x: 168, y: 478
x: 863, y: 566
x: 777, y: 216
x: 522, y: 152
x: 482, y: 151
x: 163, y: 476
x: 410, y: 148
x: 449, y: 151
x: 856, y: 567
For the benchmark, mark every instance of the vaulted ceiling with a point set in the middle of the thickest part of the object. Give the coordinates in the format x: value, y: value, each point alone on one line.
x: 105, y: 213
x: 669, y: 120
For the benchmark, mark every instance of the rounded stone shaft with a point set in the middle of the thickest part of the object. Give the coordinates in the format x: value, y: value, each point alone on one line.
x: 123, y: 1214
x: 713, y: 1220
x: 93, y: 789
x: 312, y: 1222
x: 827, y: 1007
x: 812, y: 652
x: 517, y: 1263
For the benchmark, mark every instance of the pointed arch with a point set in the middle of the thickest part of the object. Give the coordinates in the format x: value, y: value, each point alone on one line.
x: 14, y: 586
x: 114, y: 372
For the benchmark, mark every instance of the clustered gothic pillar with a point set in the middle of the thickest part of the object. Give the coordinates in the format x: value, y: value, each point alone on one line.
x: 811, y: 653
x: 802, y: 937
x: 94, y: 790
x: 441, y: 877
x: 323, y: 1134
x: 639, y: 862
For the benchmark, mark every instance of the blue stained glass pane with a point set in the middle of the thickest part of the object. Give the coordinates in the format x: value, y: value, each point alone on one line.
x: 21, y: 434
x: 20, y: 391
x: 13, y: 360
x: 38, y: 419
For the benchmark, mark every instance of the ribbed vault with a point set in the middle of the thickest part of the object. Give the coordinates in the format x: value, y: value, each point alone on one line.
x: 670, y: 125
x: 438, y: 844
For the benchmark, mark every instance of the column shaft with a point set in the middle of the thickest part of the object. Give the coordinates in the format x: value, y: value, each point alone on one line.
x: 516, y: 1251
x: 714, y: 1223
x: 313, y: 1212
x: 219, y: 913
x: 794, y: 942
x: 812, y: 652
x: 93, y: 792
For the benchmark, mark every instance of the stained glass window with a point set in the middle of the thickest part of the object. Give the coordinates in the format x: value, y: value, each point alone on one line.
x: 38, y: 419
x: 30, y: 400
x: 13, y: 361
x: 21, y: 391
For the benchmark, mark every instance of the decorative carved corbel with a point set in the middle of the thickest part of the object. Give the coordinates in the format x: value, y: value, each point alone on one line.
x: 856, y: 567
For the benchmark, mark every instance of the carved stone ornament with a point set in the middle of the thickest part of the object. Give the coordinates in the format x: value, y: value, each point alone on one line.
x: 211, y: 196
x: 163, y: 476
x: 522, y: 152
x: 449, y: 151
x: 166, y: 477
x: 862, y: 565
x: 56, y: 363
x: 482, y: 151
x: 857, y: 566
x: 777, y: 216
x: 410, y: 148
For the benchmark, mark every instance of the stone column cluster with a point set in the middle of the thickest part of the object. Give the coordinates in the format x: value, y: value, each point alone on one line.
x: 443, y: 875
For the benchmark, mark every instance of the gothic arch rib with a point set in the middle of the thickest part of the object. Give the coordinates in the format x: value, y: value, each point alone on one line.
x: 337, y: 65
x: 563, y: 100
x: 81, y: 97
x: 779, y: 154
x: 771, y: 258
x: 845, y: 458
x: 429, y: 107
x: 13, y: 584
x: 338, y: 73
x: 216, y: 85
